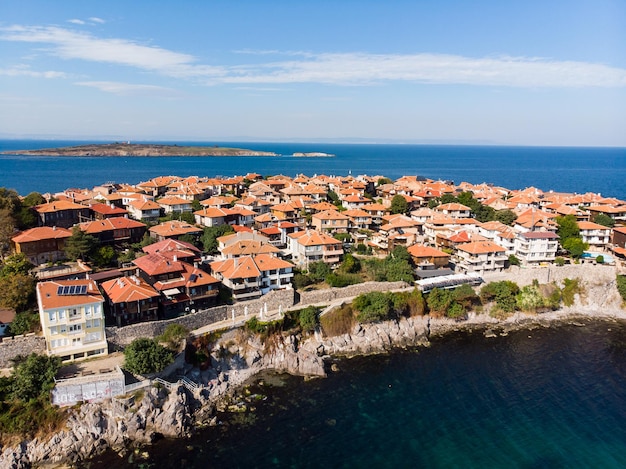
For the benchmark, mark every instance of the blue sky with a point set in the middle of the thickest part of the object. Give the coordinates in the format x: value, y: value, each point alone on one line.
x: 522, y: 73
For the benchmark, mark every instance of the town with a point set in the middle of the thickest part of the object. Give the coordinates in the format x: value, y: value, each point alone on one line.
x: 119, y: 254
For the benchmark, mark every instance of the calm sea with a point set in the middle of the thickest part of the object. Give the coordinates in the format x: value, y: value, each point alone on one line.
x: 546, y: 398
x: 600, y: 170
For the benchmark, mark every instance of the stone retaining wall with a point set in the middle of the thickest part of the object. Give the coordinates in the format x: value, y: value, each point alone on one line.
x: 11, y: 347
x: 525, y: 275
x: 329, y: 294
x: 122, y: 336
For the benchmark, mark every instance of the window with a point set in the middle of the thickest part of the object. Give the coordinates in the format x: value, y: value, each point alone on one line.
x: 53, y: 316
x: 75, y: 328
x: 61, y: 315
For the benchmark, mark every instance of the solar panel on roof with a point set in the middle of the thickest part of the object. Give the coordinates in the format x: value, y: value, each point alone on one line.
x: 82, y: 290
x: 60, y: 290
x: 193, y: 278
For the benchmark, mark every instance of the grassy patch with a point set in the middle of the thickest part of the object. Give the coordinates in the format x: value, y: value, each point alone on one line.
x: 338, y: 321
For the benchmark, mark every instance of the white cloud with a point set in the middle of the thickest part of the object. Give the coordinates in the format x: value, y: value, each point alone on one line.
x: 95, y: 19
x: 329, y: 68
x: 129, y: 89
x: 76, y: 21
x: 25, y: 71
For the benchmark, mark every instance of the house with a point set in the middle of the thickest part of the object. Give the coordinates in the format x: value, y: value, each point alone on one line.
x: 454, y: 210
x: 72, y: 319
x: 359, y: 219
x: 174, y: 248
x: 172, y: 205
x: 312, y: 246
x: 62, y: 213
x: 330, y: 220
x: 182, y: 286
x: 250, y: 277
x: 42, y: 245
x: 534, y: 247
x: 173, y: 229
x: 115, y: 231
x: 426, y: 257
x: 376, y: 211
x: 245, y: 242
x: 102, y: 211
x: 619, y: 237
x: 144, y: 210
x: 595, y: 235
x: 616, y: 212
x: 480, y: 257
x: 210, y: 216
x: 130, y: 300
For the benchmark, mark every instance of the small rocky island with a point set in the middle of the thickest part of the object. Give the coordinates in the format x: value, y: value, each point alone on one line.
x: 140, y: 149
x: 313, y: 154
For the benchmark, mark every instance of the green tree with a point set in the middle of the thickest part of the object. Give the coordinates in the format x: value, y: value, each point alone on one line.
x: 309, y: 318
x: 507, y: 217
x: 210, y: 235
x: 33, y: 376
x: 575, y: 247
x: 15, y: 264
x: 80, y: 245
x: 104, y: 256
x: 17, y: 291
x: 144, y: 356
x: 24, y: 323
x: 530, y: 299
x: 513, y: 260
x: 7, y: 230
x: 319, y: 270
x: 604, y: 220
x: 567, y: 228
x: 382, y: 181
x: 399, y: 204
x: 350, y: 264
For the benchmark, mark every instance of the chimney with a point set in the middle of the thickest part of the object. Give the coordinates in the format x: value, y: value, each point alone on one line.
x: 175, y: 258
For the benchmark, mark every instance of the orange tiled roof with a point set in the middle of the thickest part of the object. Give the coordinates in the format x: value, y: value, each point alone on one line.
x: 127, y: 289
x: 110, y: 224
x: 41, y: 233
x: 50, y: 299
x: 480, y: 247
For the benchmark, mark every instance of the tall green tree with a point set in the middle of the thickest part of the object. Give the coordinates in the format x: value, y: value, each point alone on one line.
x: 567, y: 228
x: 15, y: 264
x: 17, y: 291
x: 399, y: 205
x: 210, y: 235
x: 604, y: 220
x: 80, y: 245
x: 507, y: 217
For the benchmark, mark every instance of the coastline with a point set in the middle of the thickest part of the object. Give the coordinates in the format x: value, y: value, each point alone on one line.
x: 144, y: 417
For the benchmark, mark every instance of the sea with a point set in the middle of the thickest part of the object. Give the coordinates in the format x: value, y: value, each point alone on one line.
x: 560, y: 169
x: 549, y: 397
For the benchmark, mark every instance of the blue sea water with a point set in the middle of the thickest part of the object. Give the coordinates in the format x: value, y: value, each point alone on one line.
x: 562, y: 169
x: 544, y: 398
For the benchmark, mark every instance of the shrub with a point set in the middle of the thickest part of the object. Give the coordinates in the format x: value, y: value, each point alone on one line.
x: 503, y: 293
x: 513, y: 260
x: 438, y: 301
x: 309, y: 318
x: 530, y: 299
x: 600, y: 259
x: 570, y: 288
x: 372, y: 307
x: 559, y: 261
x: 621, y: 285
x: 342, y: 280
x: 24, y: 323
x: 144, y: 356
x: 173, y: 335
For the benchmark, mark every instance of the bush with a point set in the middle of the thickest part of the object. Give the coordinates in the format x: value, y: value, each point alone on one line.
x: 342, y: 280
x: 25, y: 323
x: 503, y: 293
x: 600, y: 259
x: 513, y: 260
x: 621, y: 285
x: 559, y: 261
x: 372, y: 307
x: 570, y: 288
x: 309, y: 318
x: 33, y: 376
x: 173, y: 336
x: 530, y: 299
x: 144, y: 356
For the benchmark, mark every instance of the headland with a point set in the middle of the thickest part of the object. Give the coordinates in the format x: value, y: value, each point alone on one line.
x: 140, y: 149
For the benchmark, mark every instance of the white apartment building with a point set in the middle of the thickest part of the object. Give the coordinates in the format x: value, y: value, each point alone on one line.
x: 72, y: 319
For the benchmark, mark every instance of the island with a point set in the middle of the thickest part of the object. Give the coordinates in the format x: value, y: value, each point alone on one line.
x: 140, y: 149
x: 313, y: 154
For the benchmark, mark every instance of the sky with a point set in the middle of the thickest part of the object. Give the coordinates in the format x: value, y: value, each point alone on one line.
x: 485, y: 72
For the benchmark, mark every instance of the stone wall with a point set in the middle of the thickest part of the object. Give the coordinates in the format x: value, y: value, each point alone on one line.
x: 11, y: 347
x: 329, y: 294
x: 525, y: 275
x: 273, y: 301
